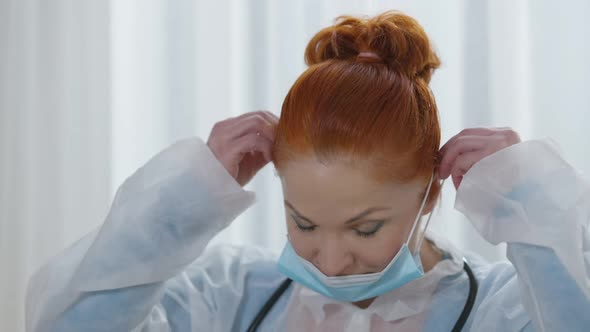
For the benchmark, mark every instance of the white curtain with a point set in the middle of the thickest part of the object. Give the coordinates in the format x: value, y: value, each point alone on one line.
x: 55, y: 135
x: 89, y: 90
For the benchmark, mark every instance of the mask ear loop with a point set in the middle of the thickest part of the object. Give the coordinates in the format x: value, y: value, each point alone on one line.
x: 427, y: 222
x: 426, y: 195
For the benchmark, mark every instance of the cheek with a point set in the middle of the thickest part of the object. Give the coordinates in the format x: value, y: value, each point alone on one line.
x: 376, y: 253
x: 377, y: 256
x: 302, y: 242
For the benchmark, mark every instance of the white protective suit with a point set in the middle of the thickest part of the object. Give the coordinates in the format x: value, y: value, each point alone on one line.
x: 146, y: 268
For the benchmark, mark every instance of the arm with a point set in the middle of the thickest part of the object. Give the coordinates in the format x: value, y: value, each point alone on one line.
x: 161, y: 219
x: 527, y: 196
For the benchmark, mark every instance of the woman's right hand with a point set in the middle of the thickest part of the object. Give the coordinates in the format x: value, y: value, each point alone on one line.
x: 243, y: 144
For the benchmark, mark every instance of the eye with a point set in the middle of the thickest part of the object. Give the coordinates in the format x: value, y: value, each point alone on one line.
x: 371, y: 231
x: 302, y: 227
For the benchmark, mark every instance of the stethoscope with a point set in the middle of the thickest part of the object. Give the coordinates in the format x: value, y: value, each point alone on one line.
x: 458, y: 325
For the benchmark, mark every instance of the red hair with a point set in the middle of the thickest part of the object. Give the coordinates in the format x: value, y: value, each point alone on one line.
x: 374, y: 109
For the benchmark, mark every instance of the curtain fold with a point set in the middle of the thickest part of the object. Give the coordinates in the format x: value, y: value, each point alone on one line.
x: 55, y: 135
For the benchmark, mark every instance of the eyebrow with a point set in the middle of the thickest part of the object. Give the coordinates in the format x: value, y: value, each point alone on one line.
x: 349, y: 221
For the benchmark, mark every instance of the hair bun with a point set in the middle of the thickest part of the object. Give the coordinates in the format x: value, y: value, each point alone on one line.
x: 396, y: 39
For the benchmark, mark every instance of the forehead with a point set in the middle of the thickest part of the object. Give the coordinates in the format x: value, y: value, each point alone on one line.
x: 308, y: 182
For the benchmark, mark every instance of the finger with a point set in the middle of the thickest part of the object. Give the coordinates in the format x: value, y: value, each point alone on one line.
x: 457, y: 181
x: 267, y: 114
x: 461, y: 145
x: 468, y: 132
x: 254, y: 123
x: 464, y: 162
x: 247, y: 114
x: 259, y: 160
x: 251, y: 143
x: 232, y: 120
x: 222, y: 132
x: 226, y: 129
x: 271, y: 117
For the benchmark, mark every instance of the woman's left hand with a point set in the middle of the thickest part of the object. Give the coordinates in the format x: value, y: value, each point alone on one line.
x: 470, y: 146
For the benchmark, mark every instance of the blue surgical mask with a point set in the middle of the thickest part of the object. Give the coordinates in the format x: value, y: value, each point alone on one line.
x: 402, y: 269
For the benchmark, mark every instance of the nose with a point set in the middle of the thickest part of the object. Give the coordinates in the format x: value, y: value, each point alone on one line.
x: 333, y: 259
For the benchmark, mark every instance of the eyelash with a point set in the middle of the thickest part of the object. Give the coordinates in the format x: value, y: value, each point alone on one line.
x: 368, y: 234
x: 305, y: 228
x: 359, y: 233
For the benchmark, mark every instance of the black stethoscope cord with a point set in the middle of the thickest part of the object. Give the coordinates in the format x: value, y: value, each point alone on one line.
x: 269, y: 304
x: 470, y: 299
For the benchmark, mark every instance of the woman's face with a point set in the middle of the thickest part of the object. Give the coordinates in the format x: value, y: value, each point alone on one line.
x: 342, y: 220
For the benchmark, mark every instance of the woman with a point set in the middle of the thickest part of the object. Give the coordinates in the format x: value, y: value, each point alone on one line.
x: 357, y: 153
